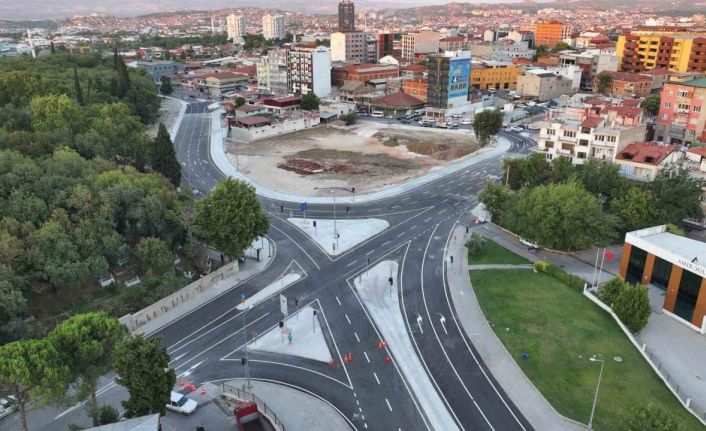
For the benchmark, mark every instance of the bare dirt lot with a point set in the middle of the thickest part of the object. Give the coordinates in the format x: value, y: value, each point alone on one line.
x: 367, y: 156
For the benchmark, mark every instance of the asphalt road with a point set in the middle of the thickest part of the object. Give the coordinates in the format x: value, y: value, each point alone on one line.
x: 207, y: 344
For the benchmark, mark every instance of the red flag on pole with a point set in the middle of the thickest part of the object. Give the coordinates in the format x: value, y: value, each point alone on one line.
x: 608, y: 255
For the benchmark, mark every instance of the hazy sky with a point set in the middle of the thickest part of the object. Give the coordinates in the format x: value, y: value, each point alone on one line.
x: 51, y: 9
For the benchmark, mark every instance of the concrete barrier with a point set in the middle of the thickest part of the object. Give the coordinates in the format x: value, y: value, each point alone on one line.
x: 185, y: 294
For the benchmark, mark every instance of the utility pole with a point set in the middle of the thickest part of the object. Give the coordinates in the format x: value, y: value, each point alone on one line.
x: 595, y: 396
x: 247, y: 361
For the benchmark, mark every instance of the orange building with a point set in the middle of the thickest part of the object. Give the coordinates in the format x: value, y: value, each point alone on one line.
x: 550, y: 33
x: 673, y: 264
x: 416, y: 87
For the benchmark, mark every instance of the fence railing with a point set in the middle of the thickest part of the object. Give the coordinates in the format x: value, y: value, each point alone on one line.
x: 261, y: 405
x: 695, y: 407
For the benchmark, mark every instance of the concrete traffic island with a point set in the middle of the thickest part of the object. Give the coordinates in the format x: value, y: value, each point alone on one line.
x: 348, y: 233
x: 285, y: 406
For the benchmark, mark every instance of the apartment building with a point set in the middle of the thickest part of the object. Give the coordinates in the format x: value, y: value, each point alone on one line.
x: 386, y: 41
x: 642, y: 161
x: 309, y: 69
x: 592, y: 62
x: 682, y: 114
x: 272, y: 74
x: 419, y: 42
x: 346, y: 16
x: 454, y: 43
x: 599, y: 129
x: 219, y: 83
x: 543, y: 85
x: 448, y: 80
x: 550, y: 33
x: 677, y: 52
x: 504, y: 50
x: 354, y: 47
x: 416, y: 87
x: 497, y: 75
x: 235, y: 26
x: 625, y: 84
x: 273, y: 27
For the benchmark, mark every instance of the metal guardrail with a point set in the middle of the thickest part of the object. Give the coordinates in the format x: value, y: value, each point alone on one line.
x: 261, y: 405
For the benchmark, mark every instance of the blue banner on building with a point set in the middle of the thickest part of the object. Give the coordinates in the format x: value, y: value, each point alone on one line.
x: 459, y: 77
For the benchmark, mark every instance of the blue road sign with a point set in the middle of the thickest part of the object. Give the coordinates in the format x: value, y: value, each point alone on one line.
x: 303, y: 206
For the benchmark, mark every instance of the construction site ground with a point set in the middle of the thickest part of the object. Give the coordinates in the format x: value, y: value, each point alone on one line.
x: 368, y: 156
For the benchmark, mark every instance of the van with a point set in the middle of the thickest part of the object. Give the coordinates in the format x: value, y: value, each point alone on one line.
x: 377, y: 114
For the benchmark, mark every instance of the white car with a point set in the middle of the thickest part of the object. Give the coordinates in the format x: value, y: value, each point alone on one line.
x: 182, y: 404
x: 466, y: 121
x: 529, y: 244
x: 7, y: 405
x: 515, y: 129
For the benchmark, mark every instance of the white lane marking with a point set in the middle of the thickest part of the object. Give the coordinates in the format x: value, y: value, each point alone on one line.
x: 376, y: 377
x: 385, y: 243
x: 427, y: 220
x: 366, y: 356
x: 351, y: 264
x: 388, y: 404
x: 297, y: 244
x: 400, y: 234
x: 356, y: 336
x: 348, y: 319
x: 338, y: 300
x: 370, y: 252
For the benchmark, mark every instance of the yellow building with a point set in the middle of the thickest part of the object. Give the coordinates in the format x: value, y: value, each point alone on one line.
x: 494, y: 75
x: 659, y: 49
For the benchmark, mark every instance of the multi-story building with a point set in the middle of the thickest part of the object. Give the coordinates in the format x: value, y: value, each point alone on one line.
x: 159, y: 68
x: 272, y: 73
x: 309, y: 69
x: 353, y: 47
x: 591, y: 62
x: 219, y: 83
x: 543, y: 84
x: 448, y: 80
x: 419, y: 42
x: 518, y: 36
x: 624, y: 84
x: 642, y: 161
x: 386, y: 41
x: 273, y: 27
x: 416, y: 87
x: 678, y: 52
x: 454, y: 43
x: 598, y: 130
x: 235, y: 25
x: 682, y: 114
x: 502, y: 51
x: 346, y: 16
x: 363, y: 73
x: 550, y: 33
x: 494, y: 75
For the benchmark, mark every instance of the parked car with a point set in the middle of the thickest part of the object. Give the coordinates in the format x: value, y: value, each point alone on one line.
x: 7, y: 405
x: 180, y: 403
x: 452, y: 125
x: 515, y: 129
x: 441, y: 125
x: 531, y: 246
x: 405, y: 121
x: 466, y: 121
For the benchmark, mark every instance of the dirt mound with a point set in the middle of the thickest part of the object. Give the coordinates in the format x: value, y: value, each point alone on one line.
x: 311, y: 167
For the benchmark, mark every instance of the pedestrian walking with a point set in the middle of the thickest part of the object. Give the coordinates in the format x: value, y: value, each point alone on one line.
x: 452, y: 259
x: 289, y: 337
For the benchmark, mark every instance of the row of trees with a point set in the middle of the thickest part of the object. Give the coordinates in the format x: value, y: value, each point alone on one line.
x: 68, y: 362
x: 569, y: 207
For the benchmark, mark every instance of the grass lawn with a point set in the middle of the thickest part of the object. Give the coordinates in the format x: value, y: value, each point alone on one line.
x: 493, y: 254
x: 537, y: 314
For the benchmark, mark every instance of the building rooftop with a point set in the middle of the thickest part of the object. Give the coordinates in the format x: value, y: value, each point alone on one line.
x: 646, y: 152
x: 143, y: 423
x: 627, y: 76
x: 698, y: 82
x: 398, y: 100
x: 685, y: 252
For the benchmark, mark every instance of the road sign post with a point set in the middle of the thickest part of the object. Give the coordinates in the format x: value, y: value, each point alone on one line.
x: 303, y: 207
x: 283, y: 305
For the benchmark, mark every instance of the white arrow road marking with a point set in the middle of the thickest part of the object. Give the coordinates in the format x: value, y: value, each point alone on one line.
x: 419, y: 322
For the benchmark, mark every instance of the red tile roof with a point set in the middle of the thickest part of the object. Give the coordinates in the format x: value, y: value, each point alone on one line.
x: 415, y: 68
x: 252, y: 120
x: 649, y: 153
x: 627, y: 76
x: 397, y: 100
x: 592, y: 122
x: 701, y: 151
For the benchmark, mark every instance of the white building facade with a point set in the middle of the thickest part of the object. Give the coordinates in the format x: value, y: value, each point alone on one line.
x: 272, y: 75
x: 235, y: 26
x: 309, y: 70
x: 273, y: 27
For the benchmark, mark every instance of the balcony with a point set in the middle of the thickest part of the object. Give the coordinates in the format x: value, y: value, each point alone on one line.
x: 677, y: 131
x: 565, y: 152
x: 568, y: 139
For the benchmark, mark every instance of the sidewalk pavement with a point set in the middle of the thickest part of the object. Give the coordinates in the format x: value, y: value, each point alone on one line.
x: 246, y: 270
x: 220, y: 160
x: 537, y: 410
x: 298, y: 410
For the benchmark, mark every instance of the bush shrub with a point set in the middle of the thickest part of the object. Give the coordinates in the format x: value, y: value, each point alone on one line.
x: 610, y: 290
x: 632, y: 306
x: 576, y: 283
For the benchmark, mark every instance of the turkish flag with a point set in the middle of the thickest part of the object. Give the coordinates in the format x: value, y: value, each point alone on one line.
x: 608, y: 255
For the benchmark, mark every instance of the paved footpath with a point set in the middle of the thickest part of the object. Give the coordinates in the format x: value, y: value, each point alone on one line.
x: 508, y: 374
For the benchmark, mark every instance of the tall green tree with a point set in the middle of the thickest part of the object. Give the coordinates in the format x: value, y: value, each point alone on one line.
x: 310, y: 101
x: 230, y: 217
x: 152, y: 255
x: 123, y: 76
x: 636, y: 209
x: 476, y: 243
x: 143, y: 368
x: 54, y: 113
x: 678, y: 194
x: 632, y: 305
x: 651, y: 104
x: 165, y: 87
x: 164, y: 158
x: 487, y: 124
x: 86, y: 343
x: 31, y: 370
x: 605, y: 83
x: 77, y: 88
x: 496, y: 199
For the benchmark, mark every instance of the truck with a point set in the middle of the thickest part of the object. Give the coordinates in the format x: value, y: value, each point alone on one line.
x: 7, y: 405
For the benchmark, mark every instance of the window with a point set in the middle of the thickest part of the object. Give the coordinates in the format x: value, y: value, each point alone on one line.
x: 667, y: 105
x: 664, y: 116
x: 611, y: 139
x: 686, y: 297
x: 636, y: 265
x: 682, y: 93
x: 569, y: 134
x: 683, y: 106
x: 697, y: 108
x: 600, y: 138
x: 694, y: 121
x: 551, y: 132
x: 670, y: 93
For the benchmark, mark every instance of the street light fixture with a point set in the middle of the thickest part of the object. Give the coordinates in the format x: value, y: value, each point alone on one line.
x: 595, y: 396
x: 245, y: 345
x: 333, y: 192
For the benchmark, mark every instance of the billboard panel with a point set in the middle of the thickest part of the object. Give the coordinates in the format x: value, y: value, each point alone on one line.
x: 459, y: 76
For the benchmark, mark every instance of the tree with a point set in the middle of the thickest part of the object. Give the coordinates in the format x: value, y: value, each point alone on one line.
x: 123, y: 77
x: 143, y: 368
x: 153, y: 256
x: 476, y: 243
x: 651, y: 104
x: 561, y: 169
x: 104, y: 415
x: 486, y: 124
x: 52, y: 48
x: 164, y: 158
x: 605, y: 83
x: 559, y: 216
x: 31, y: 370
x: 239, y: 101
x: 230, y: 217
x: 54, y: 113
x: 165, y: 87
x: 611, y: 289
x: 77, y: 88
x: 495, y: 197
x: 561, y: 46
x: 18, y: 87
x: 600, y: 179
x: 310, y: 102
x: 86, y: 343
x: 636, y: 209
x: 350, y: 118
x: 539, y: 51
x: 678, y: 195
x: 651, y: 418
x: 632, y: 306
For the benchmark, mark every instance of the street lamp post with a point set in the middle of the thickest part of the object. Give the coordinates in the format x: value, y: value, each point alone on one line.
x: 333, y: 191
x: 245, y: 341
x: 595, y: 396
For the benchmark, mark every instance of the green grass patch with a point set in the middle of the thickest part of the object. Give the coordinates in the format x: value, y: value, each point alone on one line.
x: 495, y: 254
x: 560, y: 329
